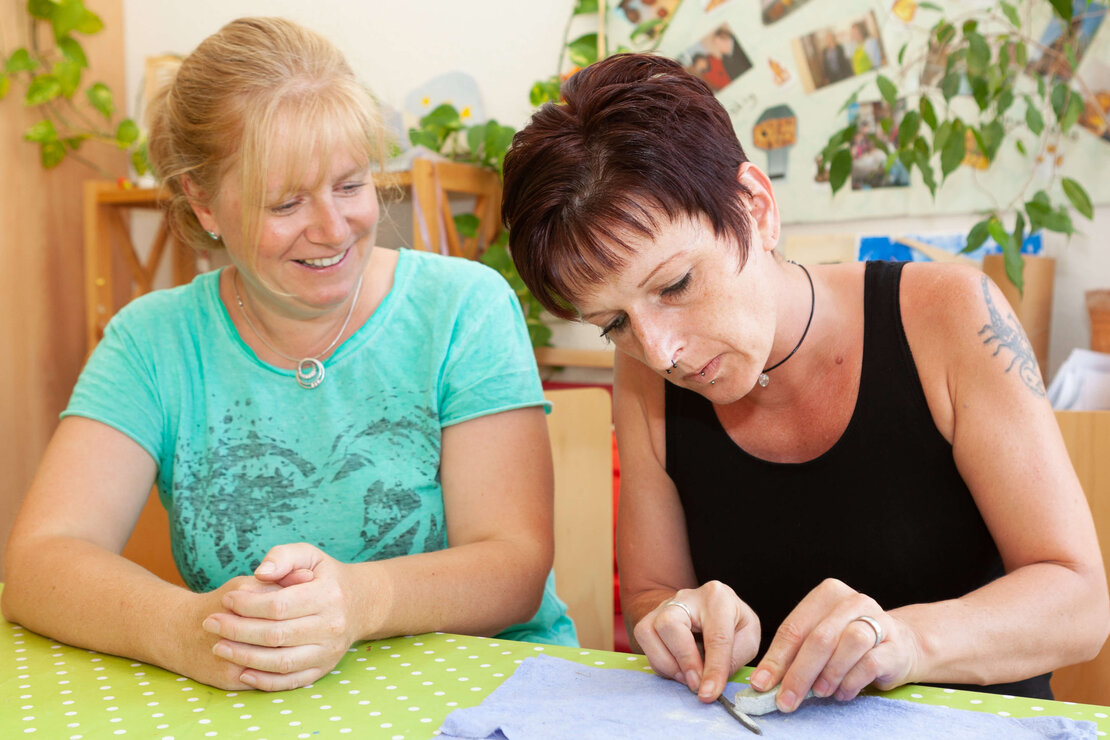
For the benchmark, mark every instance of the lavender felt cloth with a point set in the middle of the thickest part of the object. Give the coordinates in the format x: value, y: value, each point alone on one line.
x: 554, y: 698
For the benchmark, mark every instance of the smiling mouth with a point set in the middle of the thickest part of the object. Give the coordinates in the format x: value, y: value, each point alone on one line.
x: 324, y: 261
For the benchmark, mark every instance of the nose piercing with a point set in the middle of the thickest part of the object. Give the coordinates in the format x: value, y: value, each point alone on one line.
x: 672, y: 367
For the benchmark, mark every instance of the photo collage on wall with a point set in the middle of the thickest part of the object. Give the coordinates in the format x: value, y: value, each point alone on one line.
x: 791, y: 73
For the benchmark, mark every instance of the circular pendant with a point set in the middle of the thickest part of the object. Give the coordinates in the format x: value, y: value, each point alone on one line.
x: 310, y: 373
x: 763, y: 379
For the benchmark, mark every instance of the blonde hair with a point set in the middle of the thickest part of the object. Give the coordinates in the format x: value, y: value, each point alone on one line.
x: 256, y: 91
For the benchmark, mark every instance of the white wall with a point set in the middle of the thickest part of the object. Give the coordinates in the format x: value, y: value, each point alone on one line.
x: 394, y: 45
x: 505, y: 45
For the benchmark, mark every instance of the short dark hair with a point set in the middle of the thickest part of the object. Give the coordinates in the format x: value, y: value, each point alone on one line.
x: 635, y: 135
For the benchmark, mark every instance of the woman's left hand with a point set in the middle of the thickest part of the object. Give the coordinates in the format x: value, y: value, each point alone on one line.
x: 824, y: 645
x: 289, y: 636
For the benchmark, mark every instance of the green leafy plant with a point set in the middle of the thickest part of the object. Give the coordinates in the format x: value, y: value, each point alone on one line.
x: 983, y: 94
x: 51, y: 68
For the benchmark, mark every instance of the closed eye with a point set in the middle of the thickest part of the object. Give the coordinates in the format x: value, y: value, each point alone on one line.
x: 613, y: 326
x: 679, y: 287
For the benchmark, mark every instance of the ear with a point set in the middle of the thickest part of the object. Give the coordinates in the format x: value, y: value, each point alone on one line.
x: 199, y: 201
x: 762, y: 206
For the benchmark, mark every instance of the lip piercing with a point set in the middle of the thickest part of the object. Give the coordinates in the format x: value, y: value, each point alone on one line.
x: 673, y: 366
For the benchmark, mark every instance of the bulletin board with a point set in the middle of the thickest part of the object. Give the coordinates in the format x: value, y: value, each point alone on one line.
x: 785, y: 68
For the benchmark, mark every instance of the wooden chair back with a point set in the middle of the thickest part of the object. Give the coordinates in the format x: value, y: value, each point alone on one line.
x: 433, y: 185
x: 581, y: 426
x: 109, y: 249
x: 1087, y: 436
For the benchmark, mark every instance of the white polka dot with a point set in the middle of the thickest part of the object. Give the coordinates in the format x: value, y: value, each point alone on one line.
x: 976, y: 701
x: 244, y: 716
x: 915, y: 696
x: 1003, y: 714
x: 1037, y: 709
x: 1100, y: 715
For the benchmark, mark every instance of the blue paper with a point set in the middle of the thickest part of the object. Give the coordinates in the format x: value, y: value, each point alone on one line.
x: 553, y: 698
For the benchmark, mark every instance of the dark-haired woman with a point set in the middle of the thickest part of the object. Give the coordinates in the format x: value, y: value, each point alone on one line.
x: 848, y: 473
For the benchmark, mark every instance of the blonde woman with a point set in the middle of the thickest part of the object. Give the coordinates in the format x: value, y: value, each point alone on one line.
x: 335, y: 428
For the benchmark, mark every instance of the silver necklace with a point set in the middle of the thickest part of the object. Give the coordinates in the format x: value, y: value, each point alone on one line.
x: 764, y: 379
x: 310, y: 370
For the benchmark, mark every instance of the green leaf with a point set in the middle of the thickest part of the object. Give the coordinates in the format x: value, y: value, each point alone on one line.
x: 980, y: 91
x: 952, y: 154
x: 940, y: 138
x: 976, y: 237
x: 73, y: 51
x: 1038, y: 213
x: 1003, y: 102
x: 851, y: 99
x: 101, y: 99
x: 467, y: 225
x: 582, y: 7
x: 69, y: 77
x: 922, y: 161
x: 20, y: 61
x: 1021, y: 54
x: 444, y: 116
x: 887, y: 89
x: 51, y: 153
x: 928, y: 6
x: 127, y: 133
x: 139, y: 161
x: 425, y: 138
x: 1011, y: 253
x: 648, y: 29
x: 90, y: 24
x: 1061, y: 95
x: 928, y: 113
x: 67, y: 18
x: 1018, y: 233
x: 1034, y: 120
x: 1011, y: 13
x: 978, y: 53
x: 840, y: 170
x: 583, y: 50
x: 41, y: 132
x: 42, y: 89
x: 991, y: 137
x: 544, y: 91
x: 1073, y: 112
x: 1020, y: 146
x: 1078, y: 197
x: 1063, y: 8
x: 5, y: 85
x: 902, y: 53
x: 950, y: 85
x: 944, y: 32
x: 907, y: 130
x: 41, y: 9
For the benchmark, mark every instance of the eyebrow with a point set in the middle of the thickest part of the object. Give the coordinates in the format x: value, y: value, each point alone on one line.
x: 642, y: 283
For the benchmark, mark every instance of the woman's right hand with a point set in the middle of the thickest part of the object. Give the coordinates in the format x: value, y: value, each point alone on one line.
x: 729, y: 632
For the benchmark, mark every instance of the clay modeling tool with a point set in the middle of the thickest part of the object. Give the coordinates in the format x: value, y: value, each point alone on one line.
x: 738, y: 715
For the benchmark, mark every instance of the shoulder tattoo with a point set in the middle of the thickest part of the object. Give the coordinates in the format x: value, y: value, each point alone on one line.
x: 1006, y: 333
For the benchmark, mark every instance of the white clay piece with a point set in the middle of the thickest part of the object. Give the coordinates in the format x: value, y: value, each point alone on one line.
x: 757, y: 703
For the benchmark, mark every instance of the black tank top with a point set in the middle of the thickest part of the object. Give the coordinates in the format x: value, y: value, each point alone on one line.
x: 884, y: 510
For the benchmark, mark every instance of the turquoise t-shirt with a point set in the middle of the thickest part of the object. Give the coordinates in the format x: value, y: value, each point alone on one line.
x: 247, y: 459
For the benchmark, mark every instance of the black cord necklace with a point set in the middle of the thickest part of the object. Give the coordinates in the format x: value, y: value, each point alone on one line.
x: 763, y: 379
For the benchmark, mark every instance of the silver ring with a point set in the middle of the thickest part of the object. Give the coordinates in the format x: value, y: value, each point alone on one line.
x: 681, y: 606
x: 873, y: 624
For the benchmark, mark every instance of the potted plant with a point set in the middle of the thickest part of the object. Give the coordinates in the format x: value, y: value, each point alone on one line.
x: 982, y: 83
x: 50, y: 70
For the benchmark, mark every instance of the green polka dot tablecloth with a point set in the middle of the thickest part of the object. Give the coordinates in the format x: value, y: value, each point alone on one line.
x: 398, y: 688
